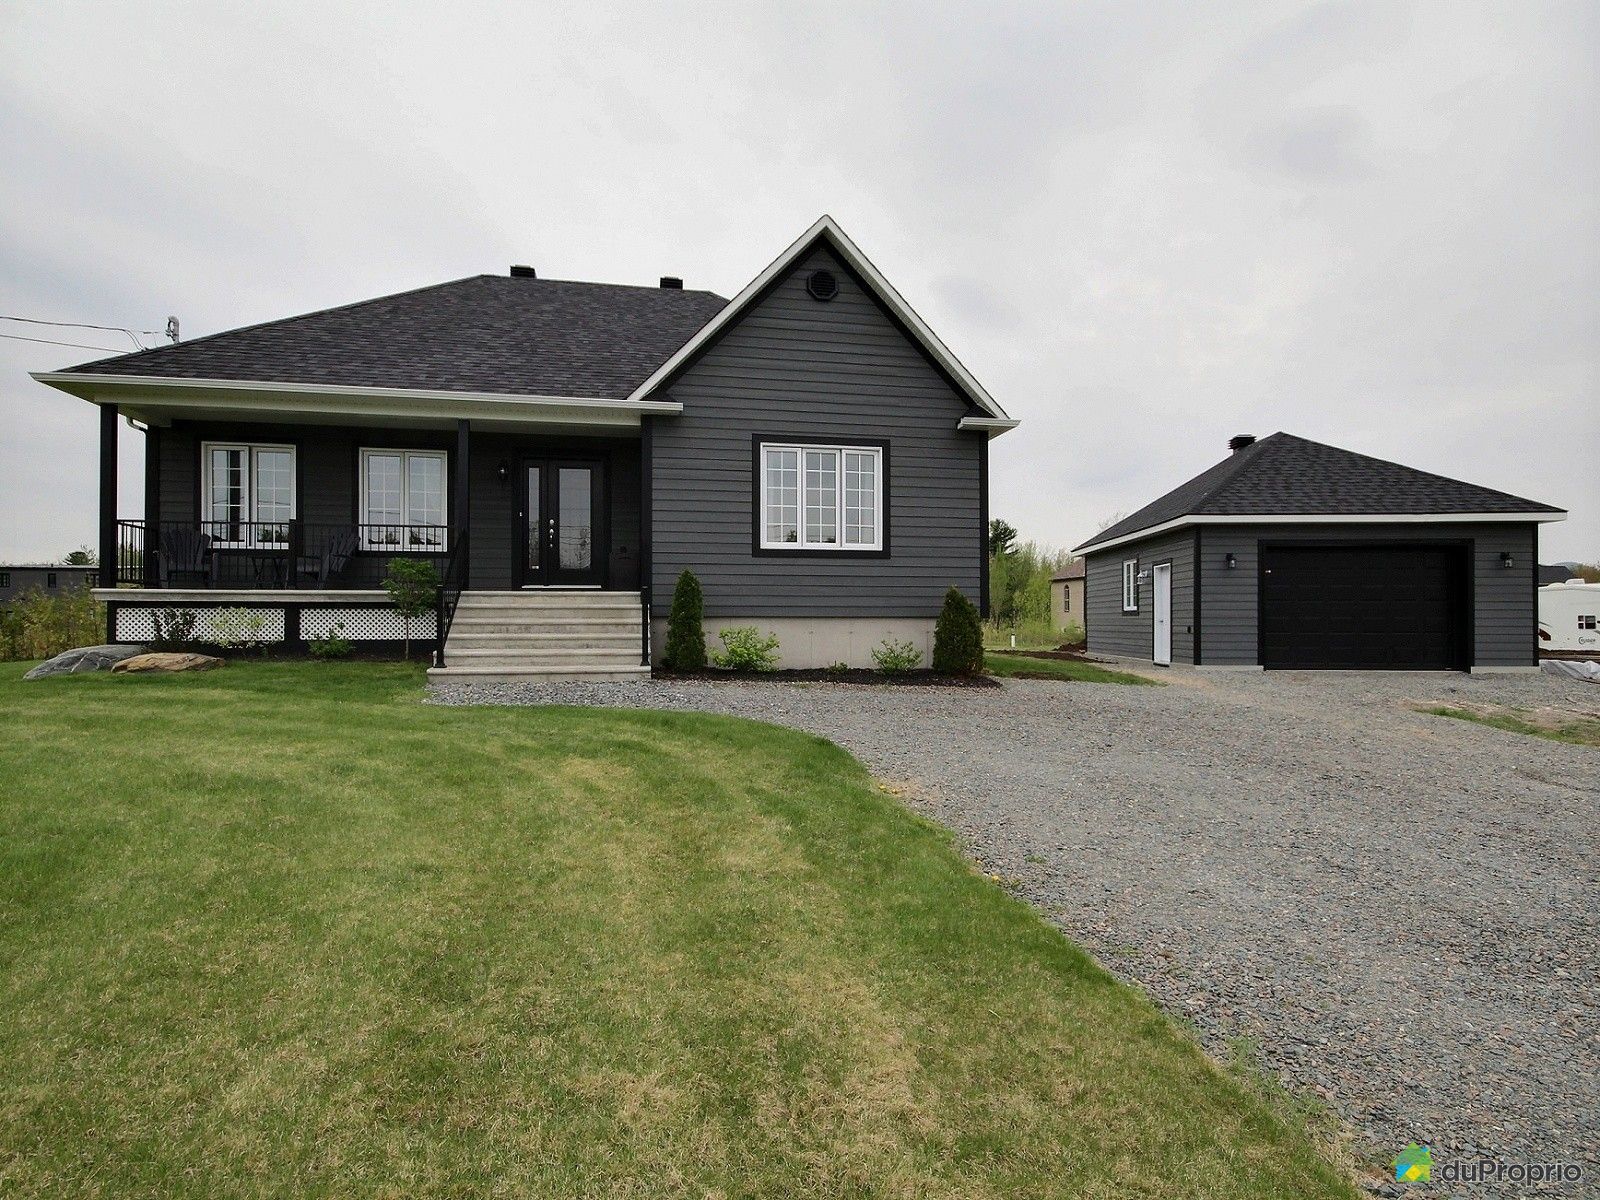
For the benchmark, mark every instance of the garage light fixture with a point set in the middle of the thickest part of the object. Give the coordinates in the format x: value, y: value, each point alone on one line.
x: 504, y: 472
x: 1507, y: 561
x: 1230, y: 561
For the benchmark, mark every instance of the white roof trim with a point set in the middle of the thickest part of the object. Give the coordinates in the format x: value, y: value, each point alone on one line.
x: 1185, y: 522
x: 852, y: 255
x: 164, y: 394
x: 994, y: 426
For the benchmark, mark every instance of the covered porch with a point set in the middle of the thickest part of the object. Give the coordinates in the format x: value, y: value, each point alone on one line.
x: 288, y: 496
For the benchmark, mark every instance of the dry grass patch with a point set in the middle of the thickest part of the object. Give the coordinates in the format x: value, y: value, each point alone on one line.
x: 1576, y: 726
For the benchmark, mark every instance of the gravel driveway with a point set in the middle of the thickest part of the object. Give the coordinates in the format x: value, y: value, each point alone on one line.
x: 1399, y: 910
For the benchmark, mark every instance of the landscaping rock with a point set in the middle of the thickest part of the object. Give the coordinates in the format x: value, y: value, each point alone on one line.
x: 83, y: 659
x: 169, y: 662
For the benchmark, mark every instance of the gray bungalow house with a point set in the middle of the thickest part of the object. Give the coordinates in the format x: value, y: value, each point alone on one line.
x: 1293, y: 554
x: 560, y: 451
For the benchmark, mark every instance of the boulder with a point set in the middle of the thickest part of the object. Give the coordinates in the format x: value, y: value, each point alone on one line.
x: 84, y: 658
x: 168, y: 662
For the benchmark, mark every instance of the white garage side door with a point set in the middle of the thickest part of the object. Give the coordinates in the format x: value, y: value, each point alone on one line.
x: 1162, y: 653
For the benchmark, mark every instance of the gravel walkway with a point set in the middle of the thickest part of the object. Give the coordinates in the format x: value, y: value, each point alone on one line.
x: 1401, y: 911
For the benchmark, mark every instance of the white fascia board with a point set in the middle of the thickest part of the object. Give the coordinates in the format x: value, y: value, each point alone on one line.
x: 862, y: 265
x: 166, y: 393
x: 1138, y: 535
x: 993, y: 426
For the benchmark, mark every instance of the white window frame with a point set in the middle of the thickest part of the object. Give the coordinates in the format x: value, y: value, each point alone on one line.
x: 801, y: 545
x: 252, y: 532
x: 372, y: 541
x: 1130, y: 585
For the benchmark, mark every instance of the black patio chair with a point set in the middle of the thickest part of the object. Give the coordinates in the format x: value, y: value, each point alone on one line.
x: 322, y: 569
x: 186, y: 555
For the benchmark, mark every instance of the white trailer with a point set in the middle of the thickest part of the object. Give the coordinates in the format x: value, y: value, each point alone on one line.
x: 1569, y: 617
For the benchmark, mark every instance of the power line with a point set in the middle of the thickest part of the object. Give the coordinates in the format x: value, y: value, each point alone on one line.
x: 86, y: 325
x: 17, y: 337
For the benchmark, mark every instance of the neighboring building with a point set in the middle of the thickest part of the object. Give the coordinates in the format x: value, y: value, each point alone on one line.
x: 1568, y: 616
x: 1294, y: 554
x: 1559, y: 573
x: 562, y: 451
x: 43, y: 577
x: 1066, y: 596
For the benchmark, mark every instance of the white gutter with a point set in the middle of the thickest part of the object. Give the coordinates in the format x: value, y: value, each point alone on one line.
x: 1185, y: 522
x: 166, y: 392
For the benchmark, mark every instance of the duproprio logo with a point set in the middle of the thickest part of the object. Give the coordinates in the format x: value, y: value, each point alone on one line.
x: 1414, y: 1164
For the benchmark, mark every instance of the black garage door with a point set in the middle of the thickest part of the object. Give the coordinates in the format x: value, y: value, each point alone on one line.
x: 1364, y: 607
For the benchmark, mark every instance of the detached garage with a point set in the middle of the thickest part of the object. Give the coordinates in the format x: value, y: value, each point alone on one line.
x: 1290, y: 554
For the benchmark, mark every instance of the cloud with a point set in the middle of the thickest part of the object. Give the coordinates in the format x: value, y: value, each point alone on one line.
x: 1145, y: 228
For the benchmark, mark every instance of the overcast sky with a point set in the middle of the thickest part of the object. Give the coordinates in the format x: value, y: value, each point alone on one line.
x: 1145, y: 227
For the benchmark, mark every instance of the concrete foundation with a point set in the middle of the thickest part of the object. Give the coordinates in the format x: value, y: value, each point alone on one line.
x: 809, y: 642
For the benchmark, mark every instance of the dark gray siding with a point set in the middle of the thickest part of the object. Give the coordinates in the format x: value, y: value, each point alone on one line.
x: 1504, y: 605
x: 834, y: 372
x: 1112, y: 631
x: 327, y: 470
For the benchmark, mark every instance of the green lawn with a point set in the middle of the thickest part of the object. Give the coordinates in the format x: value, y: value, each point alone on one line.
x: 283, y: 930
x: 1017, y: 666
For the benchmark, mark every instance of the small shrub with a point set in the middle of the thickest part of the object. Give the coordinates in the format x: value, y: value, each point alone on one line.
x: 1072, y: 634
x: 744, y: 649
x: 239, y: 629
x: 686, y: 635
x: 838, y: 668
x: 958, y: 637
x: 897, y: 658
x: 413, y: 586
x: 172, y: 627
x: 332, y: 644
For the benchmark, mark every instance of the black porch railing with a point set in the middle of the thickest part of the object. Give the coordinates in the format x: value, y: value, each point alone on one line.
x: 450, y: 587
x: 273, y: 554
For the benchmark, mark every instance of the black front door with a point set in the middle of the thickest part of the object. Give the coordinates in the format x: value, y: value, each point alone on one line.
x: 562, y: 520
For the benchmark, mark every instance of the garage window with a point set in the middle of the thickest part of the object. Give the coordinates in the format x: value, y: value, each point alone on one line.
x: 1130, y: 585
x: 1586, y: 622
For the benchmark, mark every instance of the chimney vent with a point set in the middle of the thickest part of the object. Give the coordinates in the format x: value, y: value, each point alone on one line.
x: 519, y: 271
x: 1240, y: 440
x: 673, y: 282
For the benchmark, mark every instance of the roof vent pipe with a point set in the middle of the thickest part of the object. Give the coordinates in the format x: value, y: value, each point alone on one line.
x: 519, y: 271
x: 673, y: 282
x: 1240, y: 440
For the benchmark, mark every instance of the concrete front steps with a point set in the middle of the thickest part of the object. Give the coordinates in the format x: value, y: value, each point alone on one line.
x: 544, y: 636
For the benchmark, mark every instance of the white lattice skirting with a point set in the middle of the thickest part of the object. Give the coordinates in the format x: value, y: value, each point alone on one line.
x: 363, y: 624
x: 266, y: 623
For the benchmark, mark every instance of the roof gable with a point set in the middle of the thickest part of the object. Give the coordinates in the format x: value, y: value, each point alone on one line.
x: 1283, y: 476
x: 483, y: 334
x: 826, y: 233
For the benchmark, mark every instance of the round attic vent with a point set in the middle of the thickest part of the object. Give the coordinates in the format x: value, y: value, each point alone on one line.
x: 822, y: 285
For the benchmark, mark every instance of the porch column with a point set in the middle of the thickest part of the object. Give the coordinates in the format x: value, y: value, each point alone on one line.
x: 461, y: 512
x: 152, y: 502
x: 108, y: 495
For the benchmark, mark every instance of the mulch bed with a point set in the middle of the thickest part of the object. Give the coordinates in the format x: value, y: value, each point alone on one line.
x: 856, y: 675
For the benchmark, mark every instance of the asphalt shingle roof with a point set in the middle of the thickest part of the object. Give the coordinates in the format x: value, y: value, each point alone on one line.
x: 486, y: 333
x: 1284, y: 475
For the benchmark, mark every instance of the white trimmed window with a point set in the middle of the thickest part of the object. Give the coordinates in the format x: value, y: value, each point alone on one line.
x: 821, y: 497
x: 247, y: 492
x: 402, y: 499
x: 1130, y: 585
